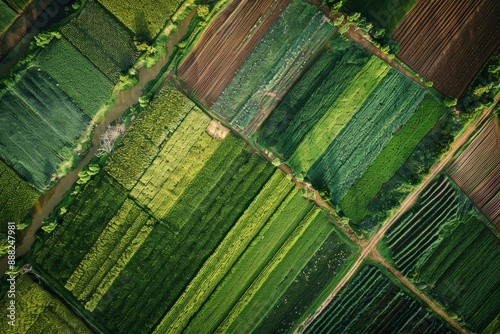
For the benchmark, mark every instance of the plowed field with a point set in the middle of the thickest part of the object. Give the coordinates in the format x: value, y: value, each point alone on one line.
x: 447, y: 41
x: 477, y: 171
x: 225, y: 45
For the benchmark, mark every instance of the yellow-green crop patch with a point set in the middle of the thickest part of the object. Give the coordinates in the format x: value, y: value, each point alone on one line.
x: 37, y: 311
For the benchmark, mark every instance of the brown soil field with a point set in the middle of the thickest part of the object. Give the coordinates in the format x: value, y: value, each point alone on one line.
x: 22, y: 24
x: 448, y: 41
x: 477, y: 171
x: 225, y: 45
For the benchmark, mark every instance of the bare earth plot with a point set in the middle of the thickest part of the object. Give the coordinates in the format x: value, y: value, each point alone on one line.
x: 225, y: 46
x: 448, y: 41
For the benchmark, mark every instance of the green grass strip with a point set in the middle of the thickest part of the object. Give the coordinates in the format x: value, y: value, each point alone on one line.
x: 228, y: 251
x: 123, y: 260
x: 391, y: 158
x: 252, y: 261
x: 317, y: 141
x: 290, y: 256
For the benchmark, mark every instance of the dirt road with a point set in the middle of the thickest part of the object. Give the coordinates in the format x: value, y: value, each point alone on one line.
x: 375, y: 255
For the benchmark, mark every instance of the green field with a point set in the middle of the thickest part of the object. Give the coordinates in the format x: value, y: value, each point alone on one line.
x: 355, y: 202
x: 145, y: 18
x: 136, y: 150
x: 362, y: 139
x: 311, y: 97
x: 102, y: 40
x: 384, y: 14
x: 317, y: 140
x: 272, y: 67
x: 17, y: 197
x: 277, y: 236
x: 92, y: 209
x: 17, y: 5
x: 39, y: 124
x: 76, y: 75
x: 443, y: 246
x: 370, y: 302
x: 37, y: 311
x: 7, y: 16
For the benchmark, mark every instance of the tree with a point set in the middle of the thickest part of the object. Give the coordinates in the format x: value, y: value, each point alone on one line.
x: 203, y: 11
x: 354, y: 18
x: 44, y: 38
x: 338, y: 21
x: 335, y: 7
x: 450, y: 101
x: 380, y: 33
x: 343, y: 29
x: 108, y: 138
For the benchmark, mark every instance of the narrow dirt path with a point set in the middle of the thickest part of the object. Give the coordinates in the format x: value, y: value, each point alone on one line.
x: 375, y: 255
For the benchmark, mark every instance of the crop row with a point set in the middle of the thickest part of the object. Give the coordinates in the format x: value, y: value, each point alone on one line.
x: 181, y: 158
x: 313, y: 94
x: 39, y: 312
x: 273, y: 84
x: 76, y: 75
x: 347, y: 157
x: 35, y: 110
x: 16, y: 197
x: 355, y: 202
x: 477, y: 171
x: 319, y: 275
x: 317, y: 140
x: 145, y: 18
x: 229, y: 250
x: 136, y: 151
x: 7, y: 16
x: 264, y: 58
x: 102, y: 40
x: 271, y: 290
x: 210, y: 205
x: 17, y: 5
x: 87, y: 217
x: 212, y: 64
x: 371, y: 302
x: 119, y: 237
x: 444, y: 247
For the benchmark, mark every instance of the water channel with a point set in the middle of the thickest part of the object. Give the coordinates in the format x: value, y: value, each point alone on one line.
x: 47, y: 202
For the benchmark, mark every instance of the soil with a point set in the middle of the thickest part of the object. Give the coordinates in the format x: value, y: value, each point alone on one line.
x: 448, y: 41
x: 225, y: 45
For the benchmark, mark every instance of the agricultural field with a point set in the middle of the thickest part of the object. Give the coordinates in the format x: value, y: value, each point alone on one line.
x: 40, y: 125
x: 443, y: 246
x: 212, y: 64
x: 220, y: 219
x: 17, y: 5
x: 435, y: 40
x: 349, y: 124
x: 102, y: 40
x: 477, y: 171
x: 7, y: 16
x: 356, y: 201
x: 17, y: 197
x: 135, y: 152
x: 144, y: 18
x: 371, y: 302
x: 293, y: 238
x: 383, y: 14
x: 76, y: 75
x: 37, y: 311
x: 272, y: 67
